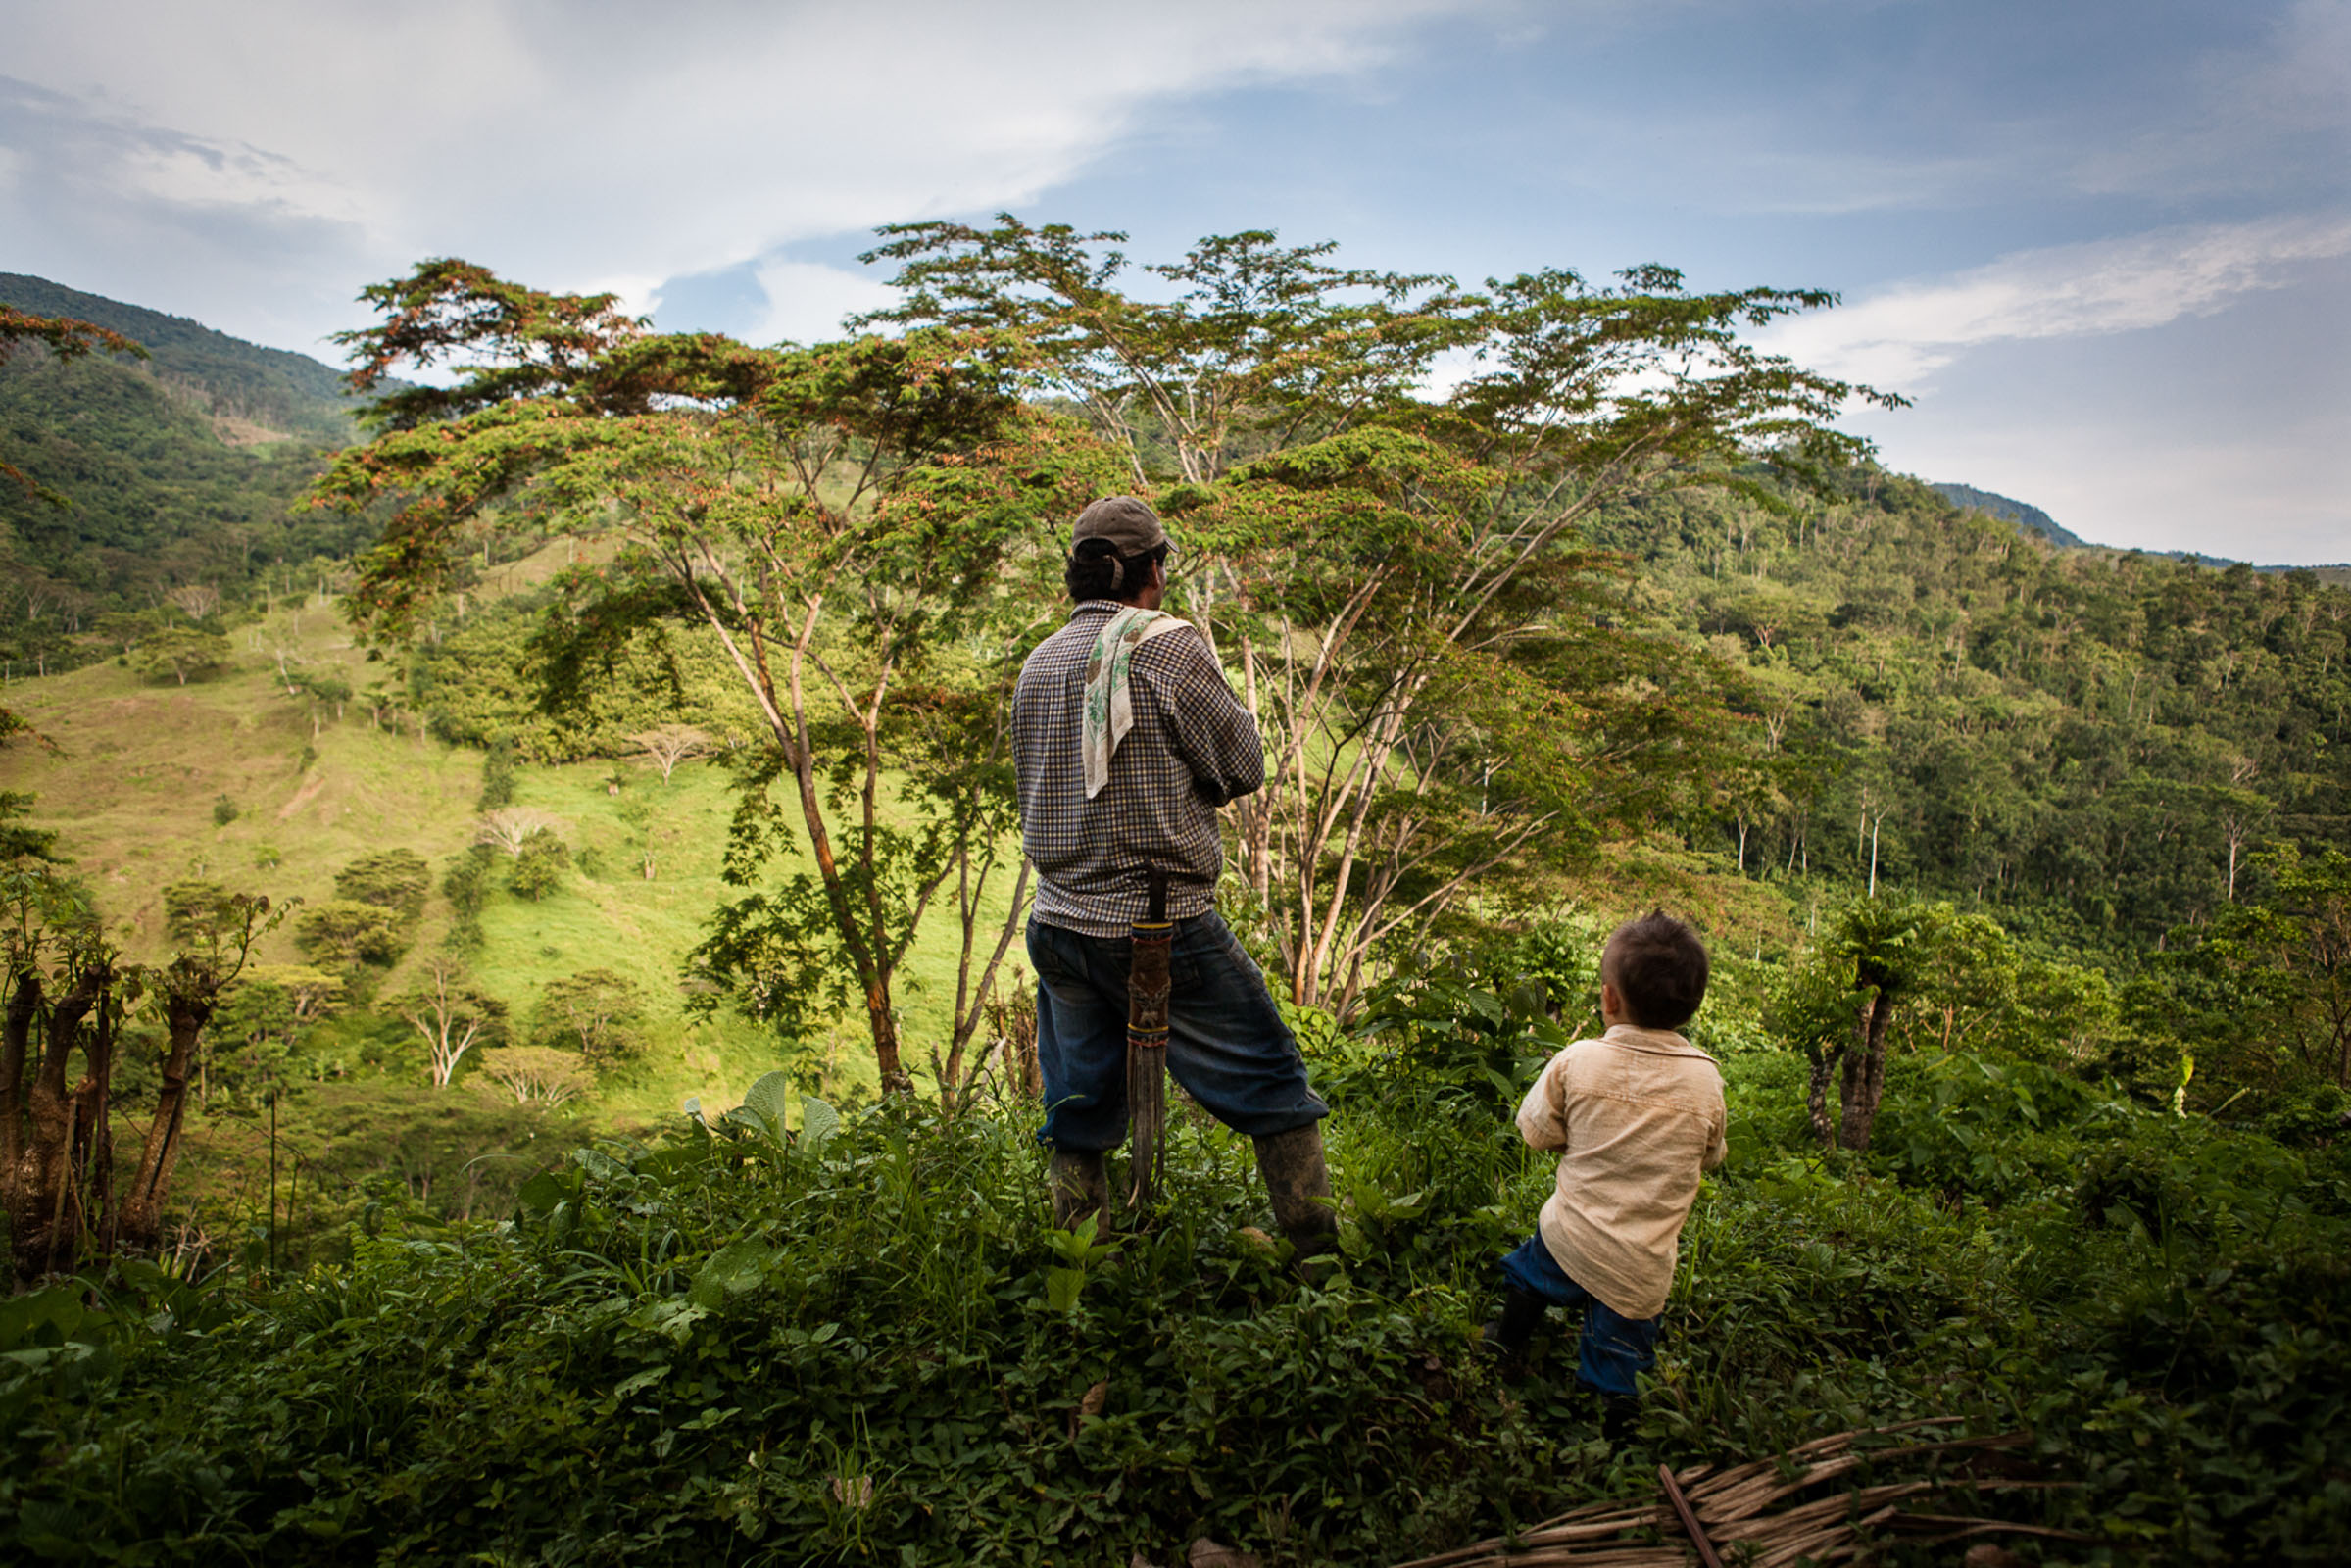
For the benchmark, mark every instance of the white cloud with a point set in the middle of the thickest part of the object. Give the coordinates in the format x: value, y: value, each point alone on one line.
x: 806, y: 301
x: 565, y: 142
x: 1898, y: 336
x: 2276, y: 497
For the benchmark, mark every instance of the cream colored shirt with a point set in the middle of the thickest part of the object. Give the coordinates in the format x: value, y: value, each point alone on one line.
x: 1635, y: 1115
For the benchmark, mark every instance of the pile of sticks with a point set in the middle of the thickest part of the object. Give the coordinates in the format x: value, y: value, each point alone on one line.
x: 1760, y: 1514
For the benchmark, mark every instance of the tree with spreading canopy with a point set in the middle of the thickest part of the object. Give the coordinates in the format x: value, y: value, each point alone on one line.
x: 838, y: 515
x: 451, y: 1014
x: 181, y: 653
x: 390, y: 879
x: 1453, y: 692
x: 593, y: 1015
x: 667, y: 745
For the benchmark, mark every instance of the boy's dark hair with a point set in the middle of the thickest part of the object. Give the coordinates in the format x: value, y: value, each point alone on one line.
x: 1658, y: 966
x: 1097, y: 571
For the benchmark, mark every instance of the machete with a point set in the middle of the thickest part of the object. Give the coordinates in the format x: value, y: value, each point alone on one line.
x: 1149, y: 940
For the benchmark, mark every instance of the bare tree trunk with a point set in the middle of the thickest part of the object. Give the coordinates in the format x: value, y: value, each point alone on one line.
x: 42, y: 1220
x: 93, y: 1149
x: 972, y: 1001
x: 159, y: 1153
x: 1823, y: 1066
x: 880, y: 1017
x: 23, y: 1005
x: 1863, y: 1083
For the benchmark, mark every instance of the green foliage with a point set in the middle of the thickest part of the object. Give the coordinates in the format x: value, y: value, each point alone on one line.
x: 594, y: 1014
x: 1449, y: 1043
x: 15, y: 839
x: 179, y: 653
x: 497, y: 681
x: 497, y: 775
x: 190, y: 906
x: 693, y: 1341
x: 348, y: 934
x: 539, y: 865
x: 465, y: 884
x: 2269, y: 981
x: 225, y: 809
x: 2083, y: 742
x: 390, y: 879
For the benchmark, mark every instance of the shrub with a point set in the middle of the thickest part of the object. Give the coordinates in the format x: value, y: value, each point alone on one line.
x: 497, y: 776
x: 391, y: 879
x: 538, y: 866
x: 592, y: 1015
x: 347, y: 933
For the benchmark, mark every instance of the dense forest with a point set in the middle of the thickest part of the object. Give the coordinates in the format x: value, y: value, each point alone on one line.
x: 167, y: 478
x: 2027, y: 865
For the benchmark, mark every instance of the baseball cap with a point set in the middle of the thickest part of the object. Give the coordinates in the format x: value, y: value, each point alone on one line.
x: 1127, y: 522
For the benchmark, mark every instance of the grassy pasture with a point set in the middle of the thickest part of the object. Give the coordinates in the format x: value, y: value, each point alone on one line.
x: 137, y: 767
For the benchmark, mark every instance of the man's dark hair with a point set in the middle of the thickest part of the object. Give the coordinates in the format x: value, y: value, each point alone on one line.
x: 1097, y: 571
x: 1658, y: 966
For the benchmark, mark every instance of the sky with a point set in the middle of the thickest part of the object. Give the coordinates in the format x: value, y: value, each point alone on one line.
x: 2104, y: 247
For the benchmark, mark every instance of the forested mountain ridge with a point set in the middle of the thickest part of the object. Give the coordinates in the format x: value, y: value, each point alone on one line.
x: 1961, y: 709
x: 179, y: 475
x: 252, y: 392
x: 2031, y: 517
x: 2040, y: 523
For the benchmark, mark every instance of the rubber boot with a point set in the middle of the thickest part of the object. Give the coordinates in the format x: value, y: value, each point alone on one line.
x: 1299, y: 1184
x: 1507, y: 1333
x: 1079, y: 1187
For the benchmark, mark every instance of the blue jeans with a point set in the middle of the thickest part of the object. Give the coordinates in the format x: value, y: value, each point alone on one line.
x: 1226, y: 1043
x: 1614, y: 1349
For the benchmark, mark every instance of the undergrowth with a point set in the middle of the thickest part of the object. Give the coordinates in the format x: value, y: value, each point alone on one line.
x: 865, y: 1342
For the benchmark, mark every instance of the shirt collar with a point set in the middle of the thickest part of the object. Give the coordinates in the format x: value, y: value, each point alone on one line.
x: 1657, y: 1042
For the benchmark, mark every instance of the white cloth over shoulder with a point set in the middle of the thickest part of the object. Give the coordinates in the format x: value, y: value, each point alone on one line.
x: 1110, y: 706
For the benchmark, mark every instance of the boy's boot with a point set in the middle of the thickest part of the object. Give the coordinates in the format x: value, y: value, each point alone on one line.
x: 1299, y: 1184
x: 1507, y: 1333
x: 1079, y: 1187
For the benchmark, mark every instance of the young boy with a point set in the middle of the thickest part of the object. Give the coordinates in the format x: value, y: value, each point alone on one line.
x: 1635, y: 1115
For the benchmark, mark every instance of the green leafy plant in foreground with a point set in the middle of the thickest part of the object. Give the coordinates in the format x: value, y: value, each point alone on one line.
x: 857, y: 1338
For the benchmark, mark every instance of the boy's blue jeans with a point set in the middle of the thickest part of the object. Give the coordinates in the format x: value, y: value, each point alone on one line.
x: 1226, y: 1042
x: 1614, y: 1349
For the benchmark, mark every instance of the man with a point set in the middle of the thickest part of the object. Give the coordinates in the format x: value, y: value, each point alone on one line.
x: 1127, y: 739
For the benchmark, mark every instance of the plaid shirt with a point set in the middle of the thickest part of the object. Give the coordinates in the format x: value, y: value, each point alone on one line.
x: 1193, y: 748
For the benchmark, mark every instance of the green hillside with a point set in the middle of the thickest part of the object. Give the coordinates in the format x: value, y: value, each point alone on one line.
x: 2083, y: 742
x: 180, y: 474
x: 253, y: 394
x: 140, y: 768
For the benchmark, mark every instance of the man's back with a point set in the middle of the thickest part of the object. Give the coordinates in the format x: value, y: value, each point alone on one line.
x: 1193, y: 746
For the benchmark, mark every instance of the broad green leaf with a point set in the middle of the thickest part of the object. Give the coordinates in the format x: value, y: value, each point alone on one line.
x: 542, y: 1192
x: 735, y: 1269
x: 642, y: 1380
x: 768, y: 1097
x: 819, y: 1123
x: 1061, y: 1288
